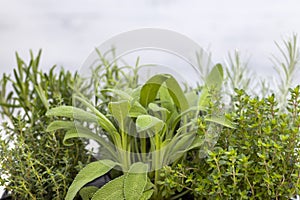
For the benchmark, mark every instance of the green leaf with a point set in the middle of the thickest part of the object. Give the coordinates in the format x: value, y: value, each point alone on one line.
x: 129, y: 186
x: 177, y: 94
x: 213, y: 82
x: 192, y: 98
x: 222, y: 120
x: 83, y: 132
x: 149, y: 185
x: 56, y: 125
x: 137, y: 109
x: 135, y: 181
x: 159, y: 112
x: 19, y: 83
x: 88, y: 174
x: 10, y: 105
x: 113, y: 190
x: 120, y: 111
x: 187, y: 117
x: 103, y: 121
x: 120, y: 93
x: 79, y: 131
x: 87, y: 193
x: 42, y: 95
x: 155, y: 108
x: 72, y: 112
x: 147, y: 195
x: 148, y: 122
x: 151, y: 87
x: 215, y: 77
x: 179, y: 145
x: 166, y: 100
x: 197, y: 142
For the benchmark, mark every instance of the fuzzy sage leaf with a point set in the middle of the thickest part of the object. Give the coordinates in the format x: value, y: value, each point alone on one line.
x: 87, y: 174
x: 135, y: 181
x: 151, y: 88
x: 148, y: 122
x: 72, y: 112
x: 112, y: 190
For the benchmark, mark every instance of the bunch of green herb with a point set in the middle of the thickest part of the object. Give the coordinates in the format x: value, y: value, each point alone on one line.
x: 257, y: 160
x: 154, y: 124
x: 34, y: 163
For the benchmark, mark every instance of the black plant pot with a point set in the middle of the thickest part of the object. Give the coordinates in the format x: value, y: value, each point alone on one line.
x: 6, y: 196
x: 100, y: 181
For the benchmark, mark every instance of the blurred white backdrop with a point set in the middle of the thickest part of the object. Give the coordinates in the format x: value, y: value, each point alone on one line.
x: 68, y: 31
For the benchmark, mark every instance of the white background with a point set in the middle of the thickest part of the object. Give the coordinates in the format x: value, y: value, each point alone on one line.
x: 68, y: 31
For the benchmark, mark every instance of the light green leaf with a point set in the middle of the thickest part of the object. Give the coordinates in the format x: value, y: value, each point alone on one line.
x: 179, y: 145
x: 222, y: 120
x: 42, y: 95
x: 135, y: 181
x: 166, y: 100
x: 83, y: 132
x: 148, y: 122
x: 59, y: 124
x: 192, y: 98
x: 187, y: 117
x: 79, y: 131
x: 137, y: 109
x: 151, y: 87
x: 213, y: 82
x: 177, y: 94
x: 155, y: 108
x: 204, y: 98
x: 215, y: 77
x: 147, y: 195
x: 88, y: 192
x: 72, y: 112
x: 149, y: 185
x: 197, y: 142
x: 113, y: 190
x: 120, y: 93
x: 119, y: 111
x: 102, y: 119
x: 159, y: 112
x: 88, y: 174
